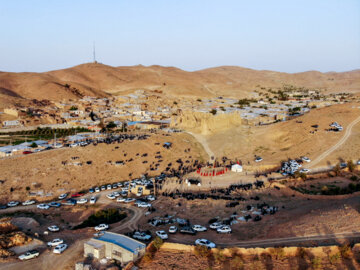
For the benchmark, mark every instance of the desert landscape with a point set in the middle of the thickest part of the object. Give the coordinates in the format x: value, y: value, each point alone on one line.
x: 178, y: 135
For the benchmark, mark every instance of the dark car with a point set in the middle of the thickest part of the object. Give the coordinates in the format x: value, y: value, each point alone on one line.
x: 91, y: 190
x: 3, y: 206
x: 27, y: 152
x: 69, y: 202
x: 187, y: 230
x: 54, y: 204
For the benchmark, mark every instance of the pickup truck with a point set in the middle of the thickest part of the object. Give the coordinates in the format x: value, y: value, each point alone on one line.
x: 29, y: 255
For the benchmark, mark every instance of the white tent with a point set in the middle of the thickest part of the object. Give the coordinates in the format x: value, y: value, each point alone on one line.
x: 236, y: 168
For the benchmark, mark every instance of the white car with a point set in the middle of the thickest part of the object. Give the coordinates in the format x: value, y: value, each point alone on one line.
x: 216, y: 225
x: 12, y: 203
x: 205, y: 242
x: 173, y: 229
x: 97, y: 189
x: 103, y: 188
x: 60, y: 248
x: 129, y: 200
x: 110, y: 196
x: 224, y: 229
x: 358, y: 162
x: 73, y: 145
x: 43, y: 206
x: 28, y: 202
x: 82, y: 201
x: 144, y: 204
x: 29, y: 255
x: 108, y: 187
x: 102, y: 227
x: 55, y: 242
x: 116, y: 193
x: 62, y: 196
x: 151, y: 198
x: 199, y: 228
x: 53, y: 228
x: 306, y: 159
x: 258, y: 159
x: 162, y: 234
x: 141, y: 236
x: 304, y: 170
x: 121, y: 199
x: 93, y: 200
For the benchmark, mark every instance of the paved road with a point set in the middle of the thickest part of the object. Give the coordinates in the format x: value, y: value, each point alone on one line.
x: 337, y: 145
x: 320, y: 239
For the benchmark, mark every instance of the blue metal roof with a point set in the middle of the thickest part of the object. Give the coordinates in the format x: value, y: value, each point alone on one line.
x: 122, y: 241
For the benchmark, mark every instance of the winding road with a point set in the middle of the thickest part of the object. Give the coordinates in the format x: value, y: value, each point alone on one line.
x: 337, y: 145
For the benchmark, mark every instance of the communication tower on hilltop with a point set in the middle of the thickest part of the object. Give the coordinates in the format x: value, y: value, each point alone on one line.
x: 94, y: 56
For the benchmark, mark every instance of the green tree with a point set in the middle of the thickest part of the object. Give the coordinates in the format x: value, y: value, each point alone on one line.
x: 213, y: 111
x: 33, y: 145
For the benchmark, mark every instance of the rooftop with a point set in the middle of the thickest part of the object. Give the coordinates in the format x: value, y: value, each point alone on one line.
x: 122, y: 241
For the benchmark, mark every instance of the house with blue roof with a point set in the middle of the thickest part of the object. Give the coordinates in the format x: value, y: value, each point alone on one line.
x: 114, y: 246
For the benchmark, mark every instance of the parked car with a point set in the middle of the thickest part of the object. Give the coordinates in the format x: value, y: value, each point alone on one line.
x: 306, y: 159
x: 3, y: 206
x: 12, y: 203
x: 103, y: 188
x: 114, y: 186
x: 187, y: 230
x: 78, y: 194
x: 110, y: 196
x: 70, y: 202
x: 144, y: 204
x: 43, y: 206
x: 205, y: 242
x: 162, y: 234
x: 102, y: 227
x: 358, y: 162
x: 216, y: 225
x: 60, y: 248
x: 108, y: 187
x: 53, y: 228
x: 224, y: 229
x: 55, y: 242
x: 82, y: 201
x: 62, y: 196
x: 121, y: 199
x: 258, y: 159
x: 54, y: 204
x: 28, y: 202
x: 199, y: 228
x: 129, y: 200
x: 173, y: 229
x: 29, y: 255
x: 151, y: 198
x: 91, y: 190
x: 304, y: 170
x: 141, y: 236
x: 93, y: 200
x: 27, y: 152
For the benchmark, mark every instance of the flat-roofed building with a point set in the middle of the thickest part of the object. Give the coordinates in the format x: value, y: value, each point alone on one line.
x: 114, y: 246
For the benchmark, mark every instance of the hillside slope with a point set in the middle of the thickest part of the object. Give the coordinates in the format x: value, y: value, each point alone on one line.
x: 100, y: 80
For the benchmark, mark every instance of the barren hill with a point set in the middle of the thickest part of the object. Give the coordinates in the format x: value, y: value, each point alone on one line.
x: 100, y: 80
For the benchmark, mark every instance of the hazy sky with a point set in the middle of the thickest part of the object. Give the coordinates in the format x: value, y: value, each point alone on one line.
x: 281, y: 35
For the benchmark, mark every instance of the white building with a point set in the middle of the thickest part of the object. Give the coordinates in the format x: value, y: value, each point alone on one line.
x: 236, y: 168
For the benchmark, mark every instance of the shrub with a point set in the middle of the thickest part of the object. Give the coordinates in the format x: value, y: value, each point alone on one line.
x: 202, y: 251
x: 277, y: 253
x: 213, y: 111
x: 345, y: 251
x: 109, y: 216
x: 236, y: 263
x: 316, y: 263
x: 157, y: 243
x: 333, y: 259
x: 351, y: 165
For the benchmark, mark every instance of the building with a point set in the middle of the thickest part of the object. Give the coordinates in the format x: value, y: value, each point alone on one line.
x: 236, y: 168
x: 114, y: 246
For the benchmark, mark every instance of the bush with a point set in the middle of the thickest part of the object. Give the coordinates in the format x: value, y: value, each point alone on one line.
x: 236, y: 263
x: 277, y: 253
x: 351, y: 165
x: 333, y: 259
x: 202, y: 251
x: 345, y: 251
x: 316, y: 263
x: 109, y: 216
x: 213, y: 111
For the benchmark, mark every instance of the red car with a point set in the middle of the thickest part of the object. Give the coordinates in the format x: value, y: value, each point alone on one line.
x: 77, y: 195
x: 27, y: 152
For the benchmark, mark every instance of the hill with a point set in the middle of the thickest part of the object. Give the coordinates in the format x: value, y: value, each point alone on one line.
x: 101, y: 80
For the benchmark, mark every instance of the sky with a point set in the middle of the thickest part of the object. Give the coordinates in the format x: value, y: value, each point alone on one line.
x: 280, y: 35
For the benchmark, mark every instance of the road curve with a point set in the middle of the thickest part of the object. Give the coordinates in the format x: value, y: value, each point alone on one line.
x: 337, y: 145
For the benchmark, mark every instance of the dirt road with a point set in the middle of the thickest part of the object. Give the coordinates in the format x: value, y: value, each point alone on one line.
x: 337, y: 145
x: 204, y: 144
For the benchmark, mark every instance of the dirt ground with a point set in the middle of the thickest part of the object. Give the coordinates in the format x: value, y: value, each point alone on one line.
x: 44, y: 171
